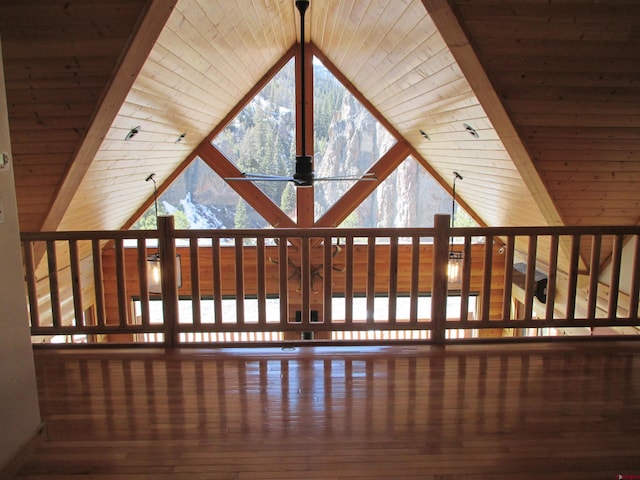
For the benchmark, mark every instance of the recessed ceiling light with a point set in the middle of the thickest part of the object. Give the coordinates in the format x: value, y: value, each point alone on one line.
x: 471, y: 130
x: 425, y: 134
x: 132, y: 133
x: 181, y: 137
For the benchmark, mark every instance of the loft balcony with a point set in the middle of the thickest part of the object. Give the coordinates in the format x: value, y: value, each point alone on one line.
x: 337, y: 286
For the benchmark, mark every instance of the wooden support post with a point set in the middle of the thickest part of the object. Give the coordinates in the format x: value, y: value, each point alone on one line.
x: 439, y: 280
x: 167, y: 249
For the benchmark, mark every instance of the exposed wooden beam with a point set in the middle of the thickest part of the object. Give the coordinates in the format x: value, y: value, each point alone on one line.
x: 447, y: 23
x: 362, y: 189
x: 305, y: 198
x: 142, y: 41
x: 247, y: 190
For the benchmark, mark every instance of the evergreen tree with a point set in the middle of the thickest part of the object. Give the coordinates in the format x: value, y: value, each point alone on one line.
x: 288, y: 203
x: 241, y: 219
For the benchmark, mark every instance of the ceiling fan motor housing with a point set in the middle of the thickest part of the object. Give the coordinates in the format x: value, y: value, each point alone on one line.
x: 304, y: 171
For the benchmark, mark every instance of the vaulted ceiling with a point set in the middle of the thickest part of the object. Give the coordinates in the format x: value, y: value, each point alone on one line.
x: 552, y: 89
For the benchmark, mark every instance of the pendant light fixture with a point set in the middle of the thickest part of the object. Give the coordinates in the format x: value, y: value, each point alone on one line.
x: 454, y: 270
x: 154, y: 269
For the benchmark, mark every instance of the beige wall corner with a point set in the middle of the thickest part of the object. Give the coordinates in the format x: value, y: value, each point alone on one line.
x: 19, y: 411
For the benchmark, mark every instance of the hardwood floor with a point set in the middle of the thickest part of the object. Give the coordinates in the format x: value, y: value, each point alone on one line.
x: 551, y: 411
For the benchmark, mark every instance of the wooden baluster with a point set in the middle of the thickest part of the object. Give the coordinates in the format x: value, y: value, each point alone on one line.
x: 530, y: 279
x: 486, y: 278
x: 121, y: 280
x: 194, y: 261
x: 98, y: 282
x: 170, y: 305
x: 393, y: 279
x: 614, y: 289
x: 371, y: 277
x: 348, y: 287
x: 52, y: 261
x: 414, y: 289
x: 284, y: 280
x: 239, y: 255
x: 634, y: 293
x: 466, y: 280
x: 594, y: 273
x: 305, y: 280
x: 143, y: 282
x: 327, y: 280
x: 32, y: 286
x: 76, y: 285
x: 439, y: 283
x: 261, y: 287
x: 217, y: 282
x: 508, y: 277
x: 553, y: 275
x: 572, y: 284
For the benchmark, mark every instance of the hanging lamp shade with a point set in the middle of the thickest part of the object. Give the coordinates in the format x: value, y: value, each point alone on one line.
x: 154, y: 273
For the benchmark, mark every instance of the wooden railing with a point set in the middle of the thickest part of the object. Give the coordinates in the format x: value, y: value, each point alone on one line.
x: 331, y: 285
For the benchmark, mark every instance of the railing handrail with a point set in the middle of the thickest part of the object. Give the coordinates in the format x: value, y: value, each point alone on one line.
x: 313, y: 256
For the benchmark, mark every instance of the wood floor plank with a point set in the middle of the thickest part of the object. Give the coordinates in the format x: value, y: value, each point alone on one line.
x: 553, y: 411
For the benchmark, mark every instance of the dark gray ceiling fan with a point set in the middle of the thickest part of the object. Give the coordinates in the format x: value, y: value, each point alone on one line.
x: 304, y: 175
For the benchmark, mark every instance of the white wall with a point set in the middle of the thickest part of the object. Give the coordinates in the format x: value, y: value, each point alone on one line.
x: 19, y: 412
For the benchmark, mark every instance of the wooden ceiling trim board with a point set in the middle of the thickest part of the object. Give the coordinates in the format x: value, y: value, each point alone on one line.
x: 286, y: 30
x: 147, y: 32
x: 339, y: 12
x: 366, y: 52
x: 164, y: 75
x: 204, y: 48
x: 269, y: 42
x: 206, y: 142
x: 454, y: 36
x: 427, y: 91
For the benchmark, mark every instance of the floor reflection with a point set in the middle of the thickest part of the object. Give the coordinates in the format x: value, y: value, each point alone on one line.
x: 430, y: 399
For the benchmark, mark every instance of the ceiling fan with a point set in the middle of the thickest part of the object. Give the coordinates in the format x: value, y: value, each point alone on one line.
x: 304, y: 175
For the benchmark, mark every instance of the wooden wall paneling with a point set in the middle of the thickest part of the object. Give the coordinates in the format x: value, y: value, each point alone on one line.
x: 568, y: 85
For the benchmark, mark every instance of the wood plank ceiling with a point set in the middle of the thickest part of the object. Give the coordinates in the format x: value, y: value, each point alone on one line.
x: 551, y: 88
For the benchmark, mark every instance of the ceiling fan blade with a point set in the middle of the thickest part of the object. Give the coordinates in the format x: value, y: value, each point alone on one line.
x: 367, y: 177
x: 257, y: 177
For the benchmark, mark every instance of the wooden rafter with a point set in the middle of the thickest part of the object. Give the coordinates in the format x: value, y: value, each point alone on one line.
x: 146, y: 33
x: 305, y: 195
x: 451, y: 30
